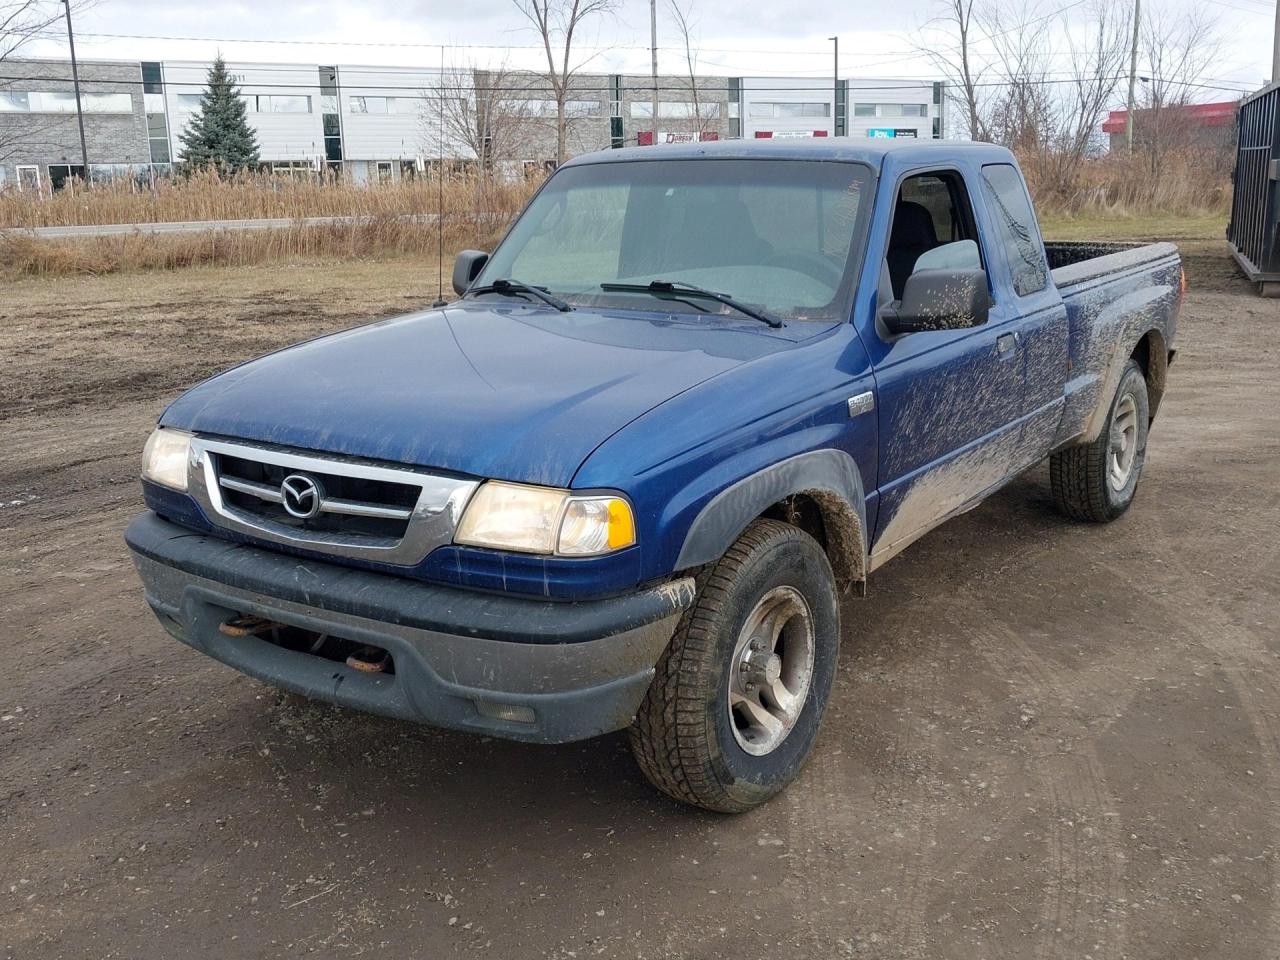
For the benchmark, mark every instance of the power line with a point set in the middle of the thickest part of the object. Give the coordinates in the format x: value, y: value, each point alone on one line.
x: 607, y: 88
x: 774, y: 51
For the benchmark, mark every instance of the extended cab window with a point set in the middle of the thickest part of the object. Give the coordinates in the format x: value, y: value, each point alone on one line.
x: 779, y: 234
x: 933, y: 228
x: 1016, y: 228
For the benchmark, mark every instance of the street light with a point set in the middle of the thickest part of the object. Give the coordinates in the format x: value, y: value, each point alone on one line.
x: 835, y: 89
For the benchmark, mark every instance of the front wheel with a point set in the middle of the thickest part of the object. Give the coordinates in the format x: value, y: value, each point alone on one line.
x: 1097, y: 482
x: 740, y: 691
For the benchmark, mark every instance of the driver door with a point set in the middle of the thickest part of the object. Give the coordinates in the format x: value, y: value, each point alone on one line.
x: 948, y: 401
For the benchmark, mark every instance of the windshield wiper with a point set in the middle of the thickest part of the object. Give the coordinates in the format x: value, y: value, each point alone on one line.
x: 672, y: 287
x: 518, y: 287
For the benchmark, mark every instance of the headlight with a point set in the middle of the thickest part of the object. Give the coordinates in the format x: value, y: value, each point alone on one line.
x: 509, y: 516
x: 164, y: 460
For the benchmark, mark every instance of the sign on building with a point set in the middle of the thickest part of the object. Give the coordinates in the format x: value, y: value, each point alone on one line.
x: 644, y: 138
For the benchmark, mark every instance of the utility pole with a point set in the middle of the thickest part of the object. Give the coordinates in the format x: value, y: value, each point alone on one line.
x: 835, y: 89
x: 653, y: 36
x: 1133, y: 74
x: 75, y: 80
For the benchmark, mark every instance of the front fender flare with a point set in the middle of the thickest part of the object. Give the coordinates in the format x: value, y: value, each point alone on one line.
x: 829, y: 476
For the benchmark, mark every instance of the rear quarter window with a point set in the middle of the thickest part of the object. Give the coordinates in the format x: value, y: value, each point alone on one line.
x: 1015, y: 228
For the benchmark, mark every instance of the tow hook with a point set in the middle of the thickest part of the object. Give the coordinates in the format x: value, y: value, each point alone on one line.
x: 246, y: 626
x: 369, y: 659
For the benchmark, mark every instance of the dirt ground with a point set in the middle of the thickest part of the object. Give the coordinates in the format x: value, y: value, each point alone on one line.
x: 1047, y: 740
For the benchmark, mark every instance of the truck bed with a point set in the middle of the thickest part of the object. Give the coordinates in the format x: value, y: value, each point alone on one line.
x: 1076, y: 262
x: 1112, y: 292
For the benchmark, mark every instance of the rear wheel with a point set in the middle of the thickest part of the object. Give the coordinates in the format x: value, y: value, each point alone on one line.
x: 740, y: 691
x: 1097, y: 482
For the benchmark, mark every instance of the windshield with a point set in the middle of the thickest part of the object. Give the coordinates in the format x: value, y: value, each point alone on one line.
x: 776, y: 234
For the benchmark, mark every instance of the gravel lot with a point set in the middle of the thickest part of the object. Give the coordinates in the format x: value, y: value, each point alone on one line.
x: 1046, y: 740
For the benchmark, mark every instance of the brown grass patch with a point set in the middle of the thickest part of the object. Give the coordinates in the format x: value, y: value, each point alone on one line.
x: 22, y: 254
x: 208, y: 196
x: 1190, y: 183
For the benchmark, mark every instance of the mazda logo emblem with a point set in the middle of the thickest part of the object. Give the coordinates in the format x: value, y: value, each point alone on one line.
x: 301, y: 495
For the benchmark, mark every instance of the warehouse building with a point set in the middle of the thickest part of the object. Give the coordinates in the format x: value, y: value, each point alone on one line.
x: 375, y: 123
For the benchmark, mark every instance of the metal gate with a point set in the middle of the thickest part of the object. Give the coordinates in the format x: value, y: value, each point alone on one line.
x: 1255, y: 204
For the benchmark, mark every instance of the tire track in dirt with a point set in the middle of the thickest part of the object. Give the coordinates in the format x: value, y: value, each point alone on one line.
x: 1249, y: 667
x: 1087, y: 878
x: 818, y: 815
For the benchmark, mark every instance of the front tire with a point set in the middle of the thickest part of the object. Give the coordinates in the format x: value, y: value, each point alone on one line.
x: 1098, y: 481
x: 740, y: 691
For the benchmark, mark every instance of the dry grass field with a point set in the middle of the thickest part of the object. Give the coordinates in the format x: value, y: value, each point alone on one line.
x: 206, y: 196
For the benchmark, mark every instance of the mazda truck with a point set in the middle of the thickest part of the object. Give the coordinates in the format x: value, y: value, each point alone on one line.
x: 670, y: 426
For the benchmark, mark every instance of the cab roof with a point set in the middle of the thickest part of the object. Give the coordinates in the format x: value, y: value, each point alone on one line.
x: 869, y: 150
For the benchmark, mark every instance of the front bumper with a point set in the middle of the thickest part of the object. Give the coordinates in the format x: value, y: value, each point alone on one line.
x: 580, y: 668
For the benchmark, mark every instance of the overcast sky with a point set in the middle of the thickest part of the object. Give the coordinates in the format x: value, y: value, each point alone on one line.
x: 735, y: 38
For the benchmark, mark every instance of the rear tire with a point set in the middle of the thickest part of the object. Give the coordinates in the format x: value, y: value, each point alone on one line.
x: 1098, y: 481
x: 739, y: 693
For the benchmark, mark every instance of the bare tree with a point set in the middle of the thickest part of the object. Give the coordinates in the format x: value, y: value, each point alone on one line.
x: 1021, y: 112
x: 21, y: 22
x: 950, y: 44
x: 558, y: 23
x: 1177, y: 51
x: 1098, y: 56
x: 475, y: 113
x: 685, y: 27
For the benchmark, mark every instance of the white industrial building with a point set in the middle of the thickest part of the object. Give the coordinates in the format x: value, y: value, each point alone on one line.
x: 375, y: 123
x: 817, y: 107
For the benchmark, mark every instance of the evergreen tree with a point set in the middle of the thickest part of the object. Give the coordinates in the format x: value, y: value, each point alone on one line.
x: 219, y: 134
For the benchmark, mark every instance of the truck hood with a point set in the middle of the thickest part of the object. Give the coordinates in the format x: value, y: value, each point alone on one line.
x: 491, y: 390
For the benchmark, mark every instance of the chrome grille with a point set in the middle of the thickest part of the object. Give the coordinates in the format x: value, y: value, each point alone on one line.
x: 352, y: 508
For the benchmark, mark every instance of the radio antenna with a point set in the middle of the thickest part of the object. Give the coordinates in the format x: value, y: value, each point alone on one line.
x: 440, y: 301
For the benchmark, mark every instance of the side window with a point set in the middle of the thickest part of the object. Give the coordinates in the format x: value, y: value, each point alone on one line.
x: 933, y: 228
x: 1016, y: 228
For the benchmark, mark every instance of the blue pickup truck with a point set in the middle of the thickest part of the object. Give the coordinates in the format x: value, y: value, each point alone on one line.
x: 695, y: 396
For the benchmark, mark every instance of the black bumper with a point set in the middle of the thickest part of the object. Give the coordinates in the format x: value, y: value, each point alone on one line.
x: 571, y: 670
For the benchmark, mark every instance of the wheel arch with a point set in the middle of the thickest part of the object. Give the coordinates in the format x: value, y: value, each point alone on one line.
x: 1152, y: 354
x: 820, y: 492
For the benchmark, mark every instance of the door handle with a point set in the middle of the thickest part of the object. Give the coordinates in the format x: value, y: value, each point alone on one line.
x: 1006, y: 344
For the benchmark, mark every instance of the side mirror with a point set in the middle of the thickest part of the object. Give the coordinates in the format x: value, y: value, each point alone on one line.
x: 466, y: 268
x: 940, y: 300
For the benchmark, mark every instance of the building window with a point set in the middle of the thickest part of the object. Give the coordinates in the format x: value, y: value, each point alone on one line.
x: 141, y: 174
x: 60, y: 173
x: 297, y: 169
x: 373, y: 104
x: 254, y: 103
x: 94, y: 102
x: 330, y: 118
x: 384, y: 171
x: 675, y: 110
x: 63, y: 101
x: 891, y: 110
x: 572, y: 108
x: 152, y: 77
x: 782, y: 110
x: 277, y: 103
x: 28, y: 177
